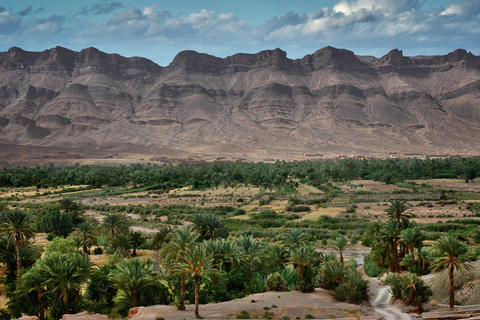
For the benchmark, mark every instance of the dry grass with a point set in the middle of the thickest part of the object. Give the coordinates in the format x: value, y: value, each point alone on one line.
x: 314, y: 215
x: 242, y: 217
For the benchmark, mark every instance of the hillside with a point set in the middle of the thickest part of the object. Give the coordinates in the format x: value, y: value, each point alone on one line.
x: 265, y: 104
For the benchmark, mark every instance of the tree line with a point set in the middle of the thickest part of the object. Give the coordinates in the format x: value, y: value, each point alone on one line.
x: 166, y: 177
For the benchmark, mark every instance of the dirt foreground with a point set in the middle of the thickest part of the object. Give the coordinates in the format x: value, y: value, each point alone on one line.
x: 291, y: 304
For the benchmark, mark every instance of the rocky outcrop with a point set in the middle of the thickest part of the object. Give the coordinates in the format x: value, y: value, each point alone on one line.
x: 328, y: 101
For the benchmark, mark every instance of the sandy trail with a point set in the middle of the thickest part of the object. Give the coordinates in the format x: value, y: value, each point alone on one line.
x: 382, y: 303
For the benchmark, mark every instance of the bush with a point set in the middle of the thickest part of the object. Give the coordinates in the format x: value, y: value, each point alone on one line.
x: 353, y: 289
x: 410, y: 289
x: 239, y: 212
x: 275, y: 282
x: 242, y: 315
x: 98, y: 250
x: 51, y: 236
x: 331, y: 274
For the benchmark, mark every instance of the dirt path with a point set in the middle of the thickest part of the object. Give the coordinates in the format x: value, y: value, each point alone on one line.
x: 381, y: 303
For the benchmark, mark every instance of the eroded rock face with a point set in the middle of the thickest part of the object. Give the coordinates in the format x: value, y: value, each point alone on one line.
x: 330, y: 100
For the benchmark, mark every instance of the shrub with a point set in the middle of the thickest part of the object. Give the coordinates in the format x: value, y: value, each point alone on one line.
x: 353, y: 289
x: 309, y: 316
x: 331, y: 274
x: 410, y: 289
x: 239, y: 212
x: 242, y: 315
x: 275, y: 282
x: 98, y: 250
x: 50, y: 236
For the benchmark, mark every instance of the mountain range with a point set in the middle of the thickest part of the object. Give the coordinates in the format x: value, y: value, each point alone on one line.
x: 329, y: 102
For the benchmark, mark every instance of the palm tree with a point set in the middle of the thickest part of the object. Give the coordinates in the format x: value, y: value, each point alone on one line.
x: 408, y: 238
x: 66, y: 272
x: 451, y: 258
x: 294, y: 238
x: 133, y: 276
x: 302, y: 257
x: 34, y: 280
x: 29, y: 254
x: 84, y: 268
x: 87, y: 232
x: 197, y: 263
x: 252, y: 251
x: 66, y: 204
x: 396, y: 210
x: 210, y: 226
x: 17, y: 225
x: 226, y: 253
x: 122, y: 243
x: 340, y: 244
x: 411, y: 237
x: 137, y: 239
x: 115, y: 223
x: 392, y: 230
x: 177, y: 244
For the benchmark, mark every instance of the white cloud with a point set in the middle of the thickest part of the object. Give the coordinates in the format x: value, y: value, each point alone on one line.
x: 9, y: 23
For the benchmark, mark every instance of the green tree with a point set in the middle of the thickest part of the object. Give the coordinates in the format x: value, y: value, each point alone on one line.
x: 210, y: 226
x: 252, y: 251
x: 115, y: 223
x: 18, y: 226
x: 302, y: 257
x: 396, y: 210
x: 451, y: 257
x: 34, y: 280
x: 122, y: 243
x: 132, y: 276
x: 392, y: 231
x: 340, y: 243
x: 86, y: 231
x: 294, y: 238
x: 137, y: 239
x: 174, y: 251
x: 60, y: 224
x: 197, y: 263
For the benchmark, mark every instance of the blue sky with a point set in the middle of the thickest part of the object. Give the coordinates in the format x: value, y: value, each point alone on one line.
x: 158, y: 30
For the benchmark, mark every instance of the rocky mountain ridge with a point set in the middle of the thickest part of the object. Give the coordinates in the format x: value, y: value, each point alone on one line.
x: 331, y: 101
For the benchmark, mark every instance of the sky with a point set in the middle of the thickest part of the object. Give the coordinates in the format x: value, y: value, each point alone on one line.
x: 159, y: 29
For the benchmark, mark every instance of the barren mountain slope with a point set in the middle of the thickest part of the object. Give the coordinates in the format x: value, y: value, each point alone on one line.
x: 330, y: 102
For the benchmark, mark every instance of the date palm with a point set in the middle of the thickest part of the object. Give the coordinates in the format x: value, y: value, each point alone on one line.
x: 294, y: 238
x: 137, y: 239
x: 86, y: 231
x: 210, y: 226
x: 34, y: 280
x: 29, y: 254
x: 302, y: 257
x: 178, y: 242
x: 411, y: 238
x: 226, y: 253
x: 66, y: 273
x: 451, y: 258
x: 340, y: 243
x: 396, y: 210
x: 132, y: 276
x: 17, y: 225
x: 252, y: 251
x: 197, y: 263
x: 115, y: 223
x: 122, y: 243
x: 392, y: 231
